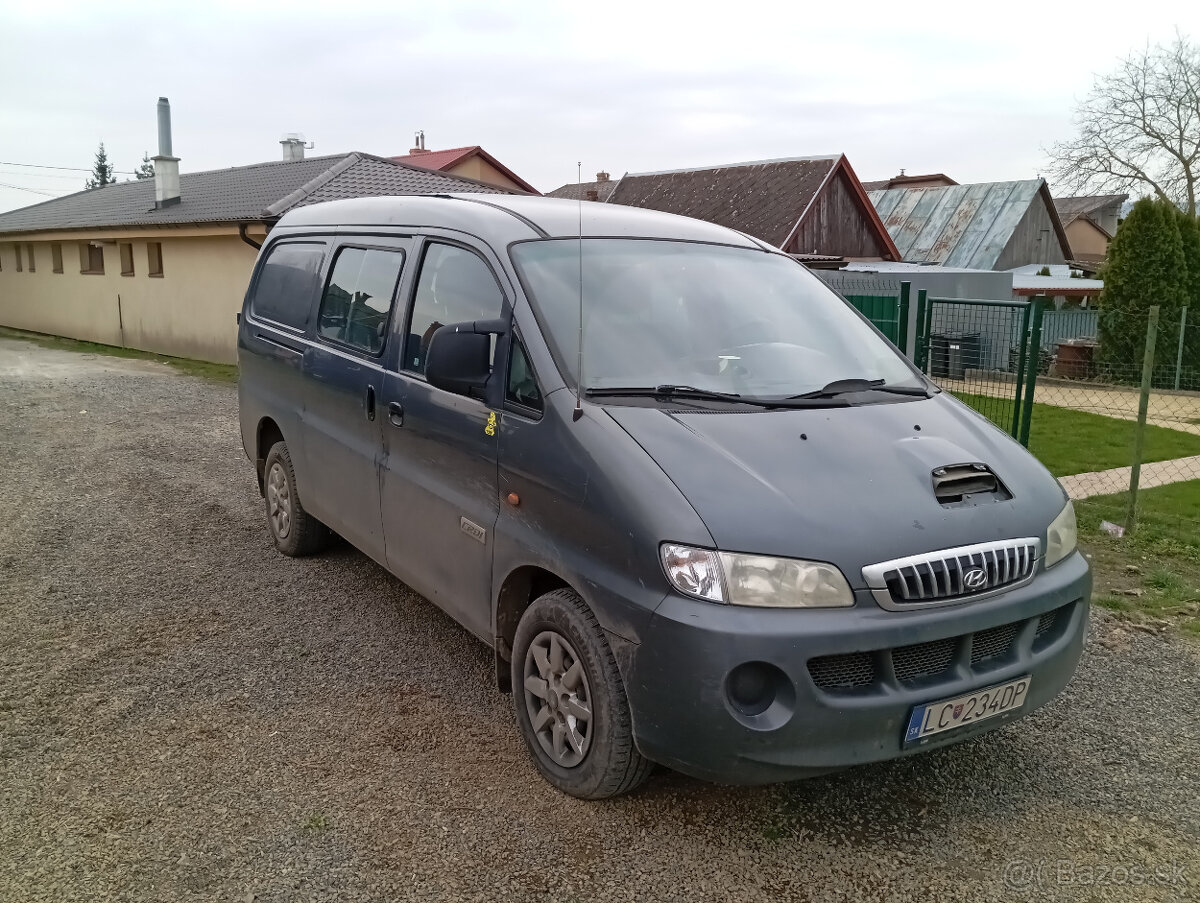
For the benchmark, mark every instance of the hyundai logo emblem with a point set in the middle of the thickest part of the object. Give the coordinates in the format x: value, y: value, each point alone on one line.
x: 975, y: 578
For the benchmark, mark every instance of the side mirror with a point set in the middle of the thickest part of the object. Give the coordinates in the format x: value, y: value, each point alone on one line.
x: 459, y: 357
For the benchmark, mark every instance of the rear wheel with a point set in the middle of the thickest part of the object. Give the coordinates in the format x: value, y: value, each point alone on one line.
x: 570, y: 703
x: 295, y: 531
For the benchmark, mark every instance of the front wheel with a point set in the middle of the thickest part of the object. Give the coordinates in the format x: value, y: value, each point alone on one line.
x: 295, y: 531
x: 570, y: 703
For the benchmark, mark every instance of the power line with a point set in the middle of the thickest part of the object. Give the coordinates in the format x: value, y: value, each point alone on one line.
x: 48, y: 194
x: 124, y: 172
x: 41, y: 175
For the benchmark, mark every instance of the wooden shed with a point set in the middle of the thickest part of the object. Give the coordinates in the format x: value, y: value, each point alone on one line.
x: 812, y: 206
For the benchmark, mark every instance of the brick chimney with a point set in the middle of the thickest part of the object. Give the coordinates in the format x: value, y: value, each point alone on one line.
x: 593, y: 194
x: 418, y: 144
x: 601, y: 177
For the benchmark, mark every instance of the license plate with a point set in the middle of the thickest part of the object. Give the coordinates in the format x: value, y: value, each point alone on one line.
x: 948, y: 714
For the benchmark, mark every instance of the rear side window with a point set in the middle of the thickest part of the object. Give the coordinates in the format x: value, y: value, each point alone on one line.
x: 358, y: 299
x: 287, y: 282
x: 455, y: 286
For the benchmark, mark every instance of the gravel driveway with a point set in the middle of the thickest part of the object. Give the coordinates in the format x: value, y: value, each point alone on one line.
x: 187, y: 715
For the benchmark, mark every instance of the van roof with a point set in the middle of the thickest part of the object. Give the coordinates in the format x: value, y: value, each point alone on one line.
x: 506, y: 218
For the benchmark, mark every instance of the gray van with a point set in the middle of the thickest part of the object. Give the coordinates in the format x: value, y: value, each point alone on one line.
x: 703, y: 512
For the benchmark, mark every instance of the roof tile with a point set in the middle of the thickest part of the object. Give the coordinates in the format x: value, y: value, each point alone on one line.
x: 764, y: 199
x: 263, y: 191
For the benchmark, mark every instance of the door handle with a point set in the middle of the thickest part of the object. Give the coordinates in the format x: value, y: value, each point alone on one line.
x: 370, y: 402
x: 396, y: 413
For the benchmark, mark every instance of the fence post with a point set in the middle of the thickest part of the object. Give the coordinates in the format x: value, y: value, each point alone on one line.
x: 1139, y: 436
x: 1179, y: 353
x: 902, y: 315
x: 920, y: 346
x: 1022, y: 361
x: 1038, y: 306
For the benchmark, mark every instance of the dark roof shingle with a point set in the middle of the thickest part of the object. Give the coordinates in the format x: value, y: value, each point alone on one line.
x: 764, y: 199
x: 1072, y: 208
x: 262, y: 191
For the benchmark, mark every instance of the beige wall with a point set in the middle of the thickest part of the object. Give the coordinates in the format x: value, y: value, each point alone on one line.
x: 1085, y: 238
x: 483, y: 171
x: 188, y: 312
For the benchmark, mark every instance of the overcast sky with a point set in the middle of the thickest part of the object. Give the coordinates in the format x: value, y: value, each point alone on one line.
x: 973, y: 90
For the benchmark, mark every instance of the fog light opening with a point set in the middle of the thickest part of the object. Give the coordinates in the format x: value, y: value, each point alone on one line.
x: 751, y: 687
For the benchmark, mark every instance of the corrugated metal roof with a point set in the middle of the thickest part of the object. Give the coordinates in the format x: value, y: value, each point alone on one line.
x: 957, y: 225
x: 263, y: 191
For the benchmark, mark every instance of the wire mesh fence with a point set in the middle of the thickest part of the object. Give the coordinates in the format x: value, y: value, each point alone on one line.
x: 981, y: 351
x: 1109, y: 402
x: 1136, y: 410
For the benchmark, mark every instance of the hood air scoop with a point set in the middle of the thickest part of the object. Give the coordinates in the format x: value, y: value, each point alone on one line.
x: 967, y: 484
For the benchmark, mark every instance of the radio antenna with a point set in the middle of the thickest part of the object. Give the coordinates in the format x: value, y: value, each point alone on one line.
x: 578, y: 412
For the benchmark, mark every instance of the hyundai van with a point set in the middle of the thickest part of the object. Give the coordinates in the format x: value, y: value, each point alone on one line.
x: 703, y: 512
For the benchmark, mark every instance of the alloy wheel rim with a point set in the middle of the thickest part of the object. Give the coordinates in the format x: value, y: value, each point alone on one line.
x: 279, y: 501
x: 558, y: 699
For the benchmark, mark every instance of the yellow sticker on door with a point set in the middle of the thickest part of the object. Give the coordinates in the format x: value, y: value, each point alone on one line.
x: 490, y: 429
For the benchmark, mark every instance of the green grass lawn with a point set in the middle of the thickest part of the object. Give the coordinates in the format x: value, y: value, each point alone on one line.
x: 1070, y: 442
x: 1153, y: 575
x: 220, y: 372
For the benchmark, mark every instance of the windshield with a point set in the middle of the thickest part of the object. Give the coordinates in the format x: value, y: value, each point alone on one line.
x: 709, y: 317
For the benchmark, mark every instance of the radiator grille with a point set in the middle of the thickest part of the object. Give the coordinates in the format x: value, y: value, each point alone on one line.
x: 953, y: 575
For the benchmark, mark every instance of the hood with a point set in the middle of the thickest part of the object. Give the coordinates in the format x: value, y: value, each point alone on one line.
x: 852, y: 486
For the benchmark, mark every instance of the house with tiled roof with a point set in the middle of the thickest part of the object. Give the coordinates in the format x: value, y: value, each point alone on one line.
x: 813, y: 207
x: 599, y: 190
x: 1091, y: 223
x: 162, y: 264
x: 925, y: 180
x: 471, y: 162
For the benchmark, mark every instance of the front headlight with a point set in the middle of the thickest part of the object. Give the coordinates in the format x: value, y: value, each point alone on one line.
x: 1061, y: 537
x: 755, y: 580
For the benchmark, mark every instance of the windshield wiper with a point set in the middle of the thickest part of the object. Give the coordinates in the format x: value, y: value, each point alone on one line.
x: 850, y: 386
x: 693, y: 393
x: 664, y: 391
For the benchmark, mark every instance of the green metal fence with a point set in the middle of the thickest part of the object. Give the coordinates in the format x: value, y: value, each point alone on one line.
x: 889, y: 313
x: 988, y: 353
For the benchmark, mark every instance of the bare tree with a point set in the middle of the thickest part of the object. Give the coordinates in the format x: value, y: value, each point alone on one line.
x: 1139, y: 129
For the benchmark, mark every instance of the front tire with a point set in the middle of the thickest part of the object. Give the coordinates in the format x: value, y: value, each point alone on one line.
x: 294, y: 530
x: 570, y: 703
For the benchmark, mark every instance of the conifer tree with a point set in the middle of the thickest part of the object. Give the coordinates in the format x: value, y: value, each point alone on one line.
x: 1146, y: 267
x: 102, y: 170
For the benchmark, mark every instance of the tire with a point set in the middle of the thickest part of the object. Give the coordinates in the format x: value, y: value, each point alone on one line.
x: 294, y: 530
x: 562, y: 666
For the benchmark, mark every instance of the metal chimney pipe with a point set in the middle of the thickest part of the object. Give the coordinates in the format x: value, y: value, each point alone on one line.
x: 166, y: 164
x: 164, y: 127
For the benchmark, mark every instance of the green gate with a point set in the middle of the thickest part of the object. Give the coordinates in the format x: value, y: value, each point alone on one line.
x: 987, y: 353
x: 889, y: 313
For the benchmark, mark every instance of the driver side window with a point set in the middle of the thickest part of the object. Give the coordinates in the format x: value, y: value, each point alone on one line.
x: 454, y: 286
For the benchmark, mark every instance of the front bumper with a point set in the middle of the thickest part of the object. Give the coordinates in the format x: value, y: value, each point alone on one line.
x: 836, y: 687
